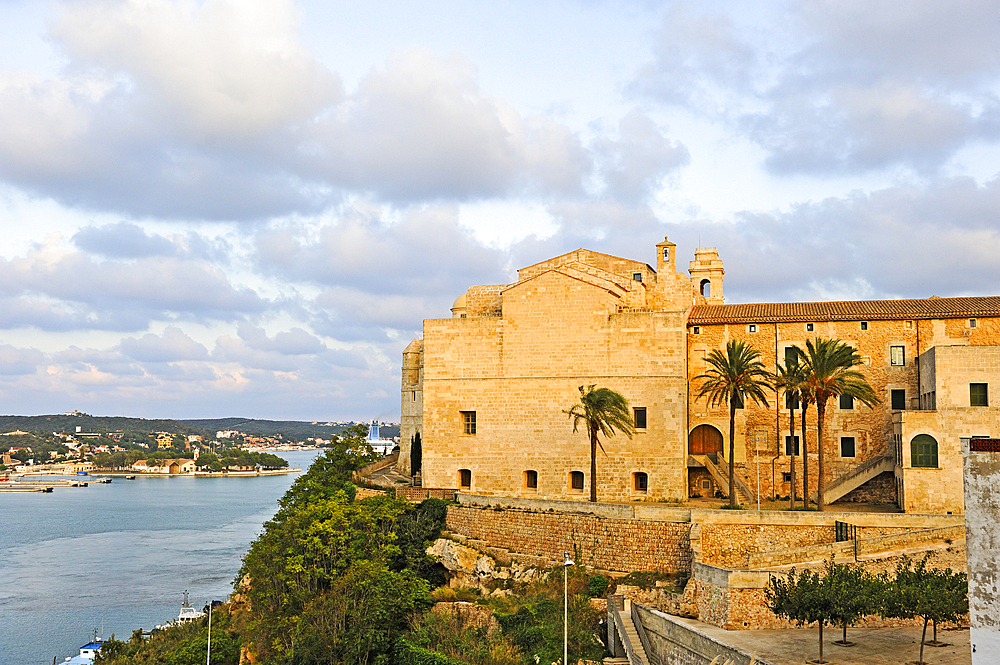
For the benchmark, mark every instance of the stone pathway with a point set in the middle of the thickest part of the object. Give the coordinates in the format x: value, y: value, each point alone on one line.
x: 873, y: 646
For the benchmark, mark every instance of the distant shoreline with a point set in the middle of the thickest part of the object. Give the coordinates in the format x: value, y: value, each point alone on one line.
x: 146, y: 474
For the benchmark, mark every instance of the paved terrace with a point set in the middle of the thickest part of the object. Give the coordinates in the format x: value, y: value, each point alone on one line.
x: 873, y: 646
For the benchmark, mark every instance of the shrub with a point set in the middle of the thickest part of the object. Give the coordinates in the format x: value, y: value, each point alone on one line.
x: 597, y: 586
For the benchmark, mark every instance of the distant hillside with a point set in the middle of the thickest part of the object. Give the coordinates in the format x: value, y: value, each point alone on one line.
x: 289, y: 429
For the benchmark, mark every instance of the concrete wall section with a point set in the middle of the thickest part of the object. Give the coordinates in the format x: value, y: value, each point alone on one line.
x: 676, y: 642
x: 982, y: 519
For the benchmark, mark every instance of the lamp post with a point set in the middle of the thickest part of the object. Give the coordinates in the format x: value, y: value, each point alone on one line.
x: 567, y: 562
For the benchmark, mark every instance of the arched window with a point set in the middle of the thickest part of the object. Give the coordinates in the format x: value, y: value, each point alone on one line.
x: 576, y: 480
x: 706, y: 288
x: 464, y: 478
x: 640, y: 481
x: 923, y: 451
x: 531, y: 480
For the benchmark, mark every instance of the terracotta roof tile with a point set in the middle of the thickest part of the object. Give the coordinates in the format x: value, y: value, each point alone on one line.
x: 847, y: 310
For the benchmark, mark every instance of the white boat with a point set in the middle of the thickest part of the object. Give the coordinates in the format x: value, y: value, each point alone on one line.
x: 188, y: 613
x: 87, y: 652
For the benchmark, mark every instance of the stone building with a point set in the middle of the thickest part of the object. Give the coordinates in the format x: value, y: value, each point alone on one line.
x: 484, y: 393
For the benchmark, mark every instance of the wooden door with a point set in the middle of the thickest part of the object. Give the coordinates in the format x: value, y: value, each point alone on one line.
x: 704, y: 440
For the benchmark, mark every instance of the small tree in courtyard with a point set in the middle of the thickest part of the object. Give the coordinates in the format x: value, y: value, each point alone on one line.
x: 732, y: 378
x: 602, y: 411
x: 804, y: 598
x: 929, y: 593
x: 856, y: 593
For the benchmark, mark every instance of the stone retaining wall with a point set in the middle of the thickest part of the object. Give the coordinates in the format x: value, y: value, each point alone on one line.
x: 616, y: 545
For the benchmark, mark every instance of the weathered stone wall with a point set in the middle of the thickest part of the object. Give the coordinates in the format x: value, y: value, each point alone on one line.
x: 880, y: 489
x: 520, y: 372
x: 618, y: 545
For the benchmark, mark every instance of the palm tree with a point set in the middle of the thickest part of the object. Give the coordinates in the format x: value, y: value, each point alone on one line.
x: 805, y: 398
x: 733, y: 377
x: 790, y: 378
x: 603, y: 411
x: 830, y: 373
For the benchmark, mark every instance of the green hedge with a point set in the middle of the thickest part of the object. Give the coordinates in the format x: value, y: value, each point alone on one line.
x: 408, y: 653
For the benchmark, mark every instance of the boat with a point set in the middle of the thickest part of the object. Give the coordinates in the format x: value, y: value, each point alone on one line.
x: 188, y: 613
x: 129, y: 477
x: 87, y: 652
x: 104, y: 480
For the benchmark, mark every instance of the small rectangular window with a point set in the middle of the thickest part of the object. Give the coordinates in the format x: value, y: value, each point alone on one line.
x: 846, y: 402
x: 909, y: 324
x: 641, y: 482
x: 978, y: 394
x: 637, y: 276
x: 898, y: 400
x: 753, y: 327
x: 697, y: 330
x: 864, y: 325
x: 791, y: 401
x: 666, y: 253
x: 791, y: 445
x: 531, y: 480
x: 576, y: 480
x: 468, y: 422
x: 791, y: 356
x: 640, y: 417
x: 972, y: 323
x: 706, y: 484
x: 809, y: 327
x: 897, y: 356
x: 847, y: 446
x: 786, y: 476
x: 413, y: 395
x: 464, y: 478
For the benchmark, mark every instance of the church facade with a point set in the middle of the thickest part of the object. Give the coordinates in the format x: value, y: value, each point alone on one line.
x: 485, y: 392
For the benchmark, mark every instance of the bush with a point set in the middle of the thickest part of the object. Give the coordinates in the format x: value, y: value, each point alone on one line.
x: 597, y: 586
x: 647, y: 579
x: 408, y: 653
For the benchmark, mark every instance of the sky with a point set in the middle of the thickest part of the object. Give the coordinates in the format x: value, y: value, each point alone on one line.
x: 247, y: 207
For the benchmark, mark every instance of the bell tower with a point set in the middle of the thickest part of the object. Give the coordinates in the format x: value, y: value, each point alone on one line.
x: 706, y: 276
x: 666, y: 259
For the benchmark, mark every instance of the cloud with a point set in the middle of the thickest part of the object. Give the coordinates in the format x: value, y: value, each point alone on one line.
x: 122, y: 240
x: 837, y: 87
x: 421, y: 128
x: 53, y: 288
x: 172, y: 346
x: 217, y: 111
x: 376, y: 274
x: 15, y: 361
x: 898, y: 242
x: 633, y: 165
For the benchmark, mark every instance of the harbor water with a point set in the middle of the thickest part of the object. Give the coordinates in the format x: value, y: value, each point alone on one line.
x: 119, y: 556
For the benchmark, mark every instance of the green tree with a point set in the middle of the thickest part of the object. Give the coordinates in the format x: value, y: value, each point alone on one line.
x: 601, y: 411
x: 805, y: 598
x: 929, y: 593
x: 830, y: 373
x: 734, y: 376
x: 856, y: 593
x: 790, y: 379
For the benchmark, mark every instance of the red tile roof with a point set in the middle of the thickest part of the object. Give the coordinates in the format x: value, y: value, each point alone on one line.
x: 847, y: 310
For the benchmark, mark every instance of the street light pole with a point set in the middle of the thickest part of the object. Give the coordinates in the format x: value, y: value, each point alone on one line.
x: 567, y: 562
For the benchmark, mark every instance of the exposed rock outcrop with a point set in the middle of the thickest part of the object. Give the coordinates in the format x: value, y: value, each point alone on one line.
x: 468, y: 568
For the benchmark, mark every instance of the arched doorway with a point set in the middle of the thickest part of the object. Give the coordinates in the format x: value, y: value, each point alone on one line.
x: 704, y: 440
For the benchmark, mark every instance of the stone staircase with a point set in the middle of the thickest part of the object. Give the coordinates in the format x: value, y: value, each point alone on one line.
x: 638, y: 655
x: 848, y: 482
x: 721, y: 476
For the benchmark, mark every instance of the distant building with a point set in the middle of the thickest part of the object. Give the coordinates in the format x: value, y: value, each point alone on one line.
x: 484, y: 392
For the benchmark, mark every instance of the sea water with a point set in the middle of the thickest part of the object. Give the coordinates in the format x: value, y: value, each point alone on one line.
x: 116, y: 557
